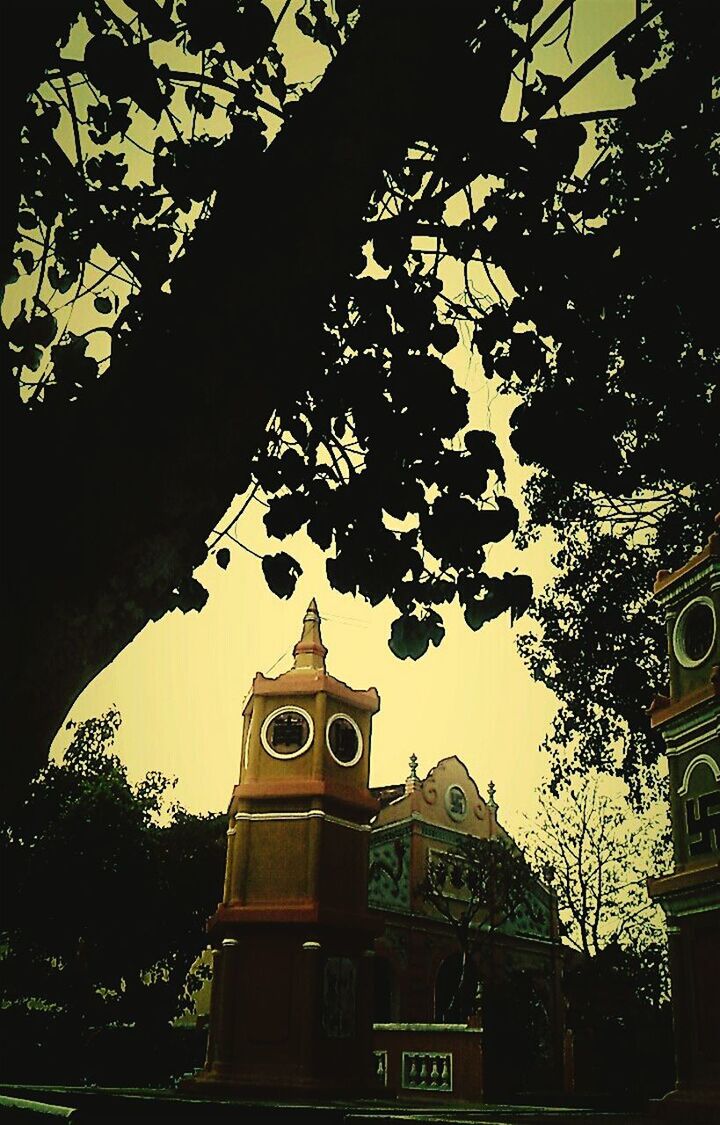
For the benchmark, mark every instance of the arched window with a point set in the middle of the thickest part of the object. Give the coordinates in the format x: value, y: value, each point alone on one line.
x: 454, y: 990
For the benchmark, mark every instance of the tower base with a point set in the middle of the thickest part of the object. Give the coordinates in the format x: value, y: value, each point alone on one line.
x: 291, y: 1013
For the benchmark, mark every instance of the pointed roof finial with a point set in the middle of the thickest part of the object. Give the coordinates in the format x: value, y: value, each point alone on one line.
x: 412, y: 781
x: 491, y: 795
x: 310, y: 652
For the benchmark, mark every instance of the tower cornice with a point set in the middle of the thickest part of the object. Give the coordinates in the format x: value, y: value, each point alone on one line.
x: 308, y: 789
x: 311, y: 681
x: 664, y: 709
x: 667, y: 581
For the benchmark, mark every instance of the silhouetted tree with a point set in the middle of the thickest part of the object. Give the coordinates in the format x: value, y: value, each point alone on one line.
x: 619, y: 1010
x: 602, y: 644
x: 244, y: 209
x: 104, y: 901
x: 481, y: 888
x: 596, y: 855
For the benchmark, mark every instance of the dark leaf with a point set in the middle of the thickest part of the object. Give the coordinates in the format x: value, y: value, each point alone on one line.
x: 483, y: 447
x: 190, y: 594
x: 345, y: 8
x: 43, y: 328
x: 286, y: 514
x: 107, y: 120
x: 26, y: 260
x: 120, y: 71
x: 71, y: 367
x: 61, y: 282
x: 638, y: 52
x: 526, y: 10
x: 304, y: 24
x: 108, y: 169
x: 281, y: 573
x: 154, y: 18
x: 521, y: 594
x: 30, y: 357
x: 444, y: 337
x: 410, y: 636
x: 481, y: 610
x: 199, y: 100
x: 222, y: 557
x: 248, y: 35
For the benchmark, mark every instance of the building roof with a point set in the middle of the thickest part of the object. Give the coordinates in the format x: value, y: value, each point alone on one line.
x: 448, y: 797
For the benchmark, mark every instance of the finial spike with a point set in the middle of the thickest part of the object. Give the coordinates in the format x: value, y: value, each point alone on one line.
x: 491, y: 795
x: 412, y: 781
x: 310, y: 652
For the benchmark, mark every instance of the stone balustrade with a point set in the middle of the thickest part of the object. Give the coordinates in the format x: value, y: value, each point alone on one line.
x: 429, y: 1061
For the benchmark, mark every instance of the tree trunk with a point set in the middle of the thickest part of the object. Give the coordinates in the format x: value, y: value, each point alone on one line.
x: 113, y: 497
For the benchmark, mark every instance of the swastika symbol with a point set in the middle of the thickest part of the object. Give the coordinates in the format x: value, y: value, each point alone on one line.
x: 702, y: 815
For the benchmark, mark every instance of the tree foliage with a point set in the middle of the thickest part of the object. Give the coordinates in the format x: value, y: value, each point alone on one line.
x: 620, y: 1015
x: 648, y: 500
x: 595, y: 854
x: 171, y: 175
x: 601, y: 645
x: 106, y: 892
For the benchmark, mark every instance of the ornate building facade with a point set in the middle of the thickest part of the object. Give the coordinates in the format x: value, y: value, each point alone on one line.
x: 689, y: 720
x: 519, y: 971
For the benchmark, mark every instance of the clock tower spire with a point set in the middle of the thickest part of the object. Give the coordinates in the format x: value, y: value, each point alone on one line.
x: 292, y: 984
x: 310, y: 652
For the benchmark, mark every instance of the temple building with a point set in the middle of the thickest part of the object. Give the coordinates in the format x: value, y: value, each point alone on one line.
x: 332, y: 971
x: 689, y: 720
x: 418, y: 960
x: 291, y: 996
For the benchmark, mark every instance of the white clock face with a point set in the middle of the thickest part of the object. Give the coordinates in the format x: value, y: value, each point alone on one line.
x: 287, y: 732
x: 344, y: 740
x: 694, y: 632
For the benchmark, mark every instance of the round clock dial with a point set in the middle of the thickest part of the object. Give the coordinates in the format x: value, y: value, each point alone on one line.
x: 344, y: 740
x: 694, y: 632
x: 287, y: 732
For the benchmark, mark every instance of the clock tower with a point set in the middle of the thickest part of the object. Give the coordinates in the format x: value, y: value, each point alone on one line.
x: 689, y: 720
x: 292, y: 972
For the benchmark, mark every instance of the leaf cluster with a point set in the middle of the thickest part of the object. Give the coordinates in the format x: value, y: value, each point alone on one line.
x: 601, y: 643
x: 108, y: 220
x: 371, y: 462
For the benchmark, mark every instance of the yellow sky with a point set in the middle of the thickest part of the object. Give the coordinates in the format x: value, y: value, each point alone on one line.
x: 181, y: 685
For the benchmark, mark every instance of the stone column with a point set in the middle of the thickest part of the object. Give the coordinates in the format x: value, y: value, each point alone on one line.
x: 225, y: 1007
x: 309, y: 1003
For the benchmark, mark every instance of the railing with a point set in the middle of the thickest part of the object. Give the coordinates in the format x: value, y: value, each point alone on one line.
x: 427, y: 1071
x: 429, y: 1061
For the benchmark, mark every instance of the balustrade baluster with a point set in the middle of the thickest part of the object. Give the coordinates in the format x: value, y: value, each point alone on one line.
x: 424, y: 1070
